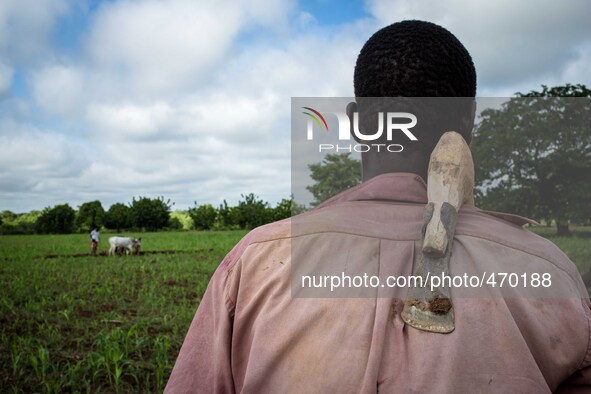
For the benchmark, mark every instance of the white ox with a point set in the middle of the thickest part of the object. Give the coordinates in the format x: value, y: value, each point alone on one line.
x: 125, y: 243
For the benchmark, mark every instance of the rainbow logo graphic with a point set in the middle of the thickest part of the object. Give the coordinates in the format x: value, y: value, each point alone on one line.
x: 315, y: 115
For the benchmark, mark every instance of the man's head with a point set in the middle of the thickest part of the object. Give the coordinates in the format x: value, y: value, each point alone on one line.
x: 414, y: 59
x: 417, y: 59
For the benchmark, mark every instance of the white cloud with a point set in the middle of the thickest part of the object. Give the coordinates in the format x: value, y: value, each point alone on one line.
x: 163, y: 46
x: 25, y: 27
x: 126, y: 122
x: 188, y: 169
x: 208, y: 139
x: 191, y: 99
x: 316, y: 62
x: 273, y: 14
x: 60, y: 89
x: 38, y: 162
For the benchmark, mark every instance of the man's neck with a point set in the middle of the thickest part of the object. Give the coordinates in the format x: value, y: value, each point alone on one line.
x: 377, y: 164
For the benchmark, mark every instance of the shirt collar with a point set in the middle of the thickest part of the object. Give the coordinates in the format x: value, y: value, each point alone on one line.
x: 404, y: 187
x: 394, y: 186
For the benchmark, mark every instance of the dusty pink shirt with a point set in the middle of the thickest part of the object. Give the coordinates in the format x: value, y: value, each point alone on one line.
x: 251, y: 335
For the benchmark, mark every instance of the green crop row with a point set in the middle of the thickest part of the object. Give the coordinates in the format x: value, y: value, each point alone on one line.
x: 71, y: 323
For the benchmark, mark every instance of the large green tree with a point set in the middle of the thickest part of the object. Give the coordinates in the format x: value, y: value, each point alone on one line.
x: 533, y: 155
x: 150, y: 213
x: 334, y: 174
x: 56, y: 220
x: 118, y: 217
x: 90, y: 215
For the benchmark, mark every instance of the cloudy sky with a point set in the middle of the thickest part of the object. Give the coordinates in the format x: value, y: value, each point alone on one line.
x: 190, y: 99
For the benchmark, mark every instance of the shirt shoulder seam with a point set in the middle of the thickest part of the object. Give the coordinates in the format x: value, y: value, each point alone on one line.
x: 228, y: 301
x: 521, y: 249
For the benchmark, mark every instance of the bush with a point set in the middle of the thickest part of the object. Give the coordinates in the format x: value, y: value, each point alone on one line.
x: 227, y: 218
x: 7, y: 216
x: 18, y: 224
x: 175, y: 224
x: 184, y: 218
x: 252, y: 212
x: 150, y: 213
x: 56, y: 220
x: 203, y: 216
x: 8, y: 228
x: 287, y: 208
x: 17, y: 228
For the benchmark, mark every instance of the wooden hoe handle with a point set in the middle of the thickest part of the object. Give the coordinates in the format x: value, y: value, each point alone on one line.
x: 450, y: 185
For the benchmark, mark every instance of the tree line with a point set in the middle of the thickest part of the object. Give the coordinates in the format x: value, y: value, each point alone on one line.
x: 532, y: 157
x: 146, y: 214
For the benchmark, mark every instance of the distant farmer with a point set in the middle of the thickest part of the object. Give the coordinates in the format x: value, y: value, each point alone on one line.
x: 94, y: 241
x: 255, y: 333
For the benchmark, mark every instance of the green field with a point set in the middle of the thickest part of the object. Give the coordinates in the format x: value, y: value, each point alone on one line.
x: 74, y: 323
x: 99, y: 324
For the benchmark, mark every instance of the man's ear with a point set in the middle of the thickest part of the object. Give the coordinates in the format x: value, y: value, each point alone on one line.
x: 468, y: 122
x: 351, y: 109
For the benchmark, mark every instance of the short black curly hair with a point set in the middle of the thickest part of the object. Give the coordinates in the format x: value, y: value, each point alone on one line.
x: 414, y: 59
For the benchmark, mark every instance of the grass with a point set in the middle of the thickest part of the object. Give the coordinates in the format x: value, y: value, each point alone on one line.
x: 577, y: 247
x: 115, y: 324
x: 99, y: 324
